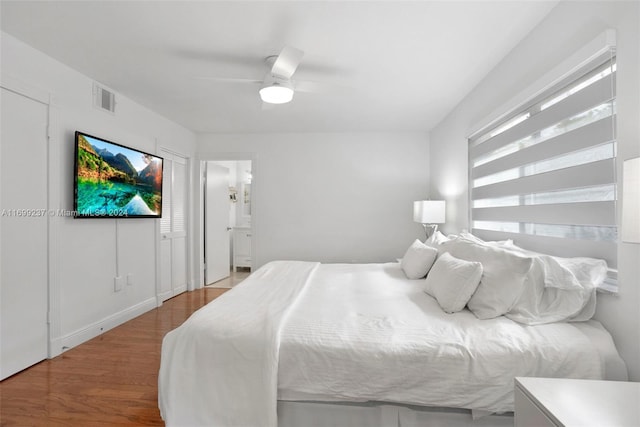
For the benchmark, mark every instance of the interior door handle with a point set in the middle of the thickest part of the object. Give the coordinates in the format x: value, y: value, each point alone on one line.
x: 229, y: 228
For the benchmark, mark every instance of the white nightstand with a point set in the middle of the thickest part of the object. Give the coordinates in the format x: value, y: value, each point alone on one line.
x: 541, y: 402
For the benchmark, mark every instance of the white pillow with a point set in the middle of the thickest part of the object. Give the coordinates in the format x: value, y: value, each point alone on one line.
x: 558, y: 289
x: 418, y: 260
x: 539, y: 304
x: 452, y: 281
x: 502, y: 280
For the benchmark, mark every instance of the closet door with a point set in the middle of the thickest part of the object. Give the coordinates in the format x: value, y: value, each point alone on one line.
x: 173, y: 226
x: 23, y: 233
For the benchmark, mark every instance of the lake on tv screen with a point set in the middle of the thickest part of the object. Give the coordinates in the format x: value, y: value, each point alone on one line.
x: 116, y: 181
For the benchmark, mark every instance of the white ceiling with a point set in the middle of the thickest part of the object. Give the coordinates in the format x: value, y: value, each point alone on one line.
x: 382, y: 66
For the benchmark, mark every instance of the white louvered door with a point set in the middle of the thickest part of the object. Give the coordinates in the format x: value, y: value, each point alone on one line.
x: 173, y: 227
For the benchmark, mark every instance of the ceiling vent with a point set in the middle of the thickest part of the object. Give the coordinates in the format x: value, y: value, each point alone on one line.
x: 103, y: 99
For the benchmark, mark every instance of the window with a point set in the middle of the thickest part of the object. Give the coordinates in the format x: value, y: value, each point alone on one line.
x: 546, y: 175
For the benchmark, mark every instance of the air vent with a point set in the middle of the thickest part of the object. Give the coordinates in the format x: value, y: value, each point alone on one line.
x: 103, y: 98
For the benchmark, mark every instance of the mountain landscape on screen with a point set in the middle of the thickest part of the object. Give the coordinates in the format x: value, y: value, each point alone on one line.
x: 112, y: 180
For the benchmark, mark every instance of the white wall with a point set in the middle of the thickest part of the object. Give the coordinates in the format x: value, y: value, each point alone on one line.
x: 568, y: 27
x: 331, y: 197
x: 83, y: 253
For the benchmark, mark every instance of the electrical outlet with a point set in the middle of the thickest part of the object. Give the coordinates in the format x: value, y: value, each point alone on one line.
x: 130, y: 279
x: 117, y: 284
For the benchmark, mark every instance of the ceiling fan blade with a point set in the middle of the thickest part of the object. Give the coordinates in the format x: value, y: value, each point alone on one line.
x: 310, y: 86
x: 228, y: 79
x: 287, y: 62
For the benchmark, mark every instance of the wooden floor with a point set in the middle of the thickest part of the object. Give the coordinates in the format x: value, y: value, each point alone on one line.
x: 108, y: 381
x: 234, y: 278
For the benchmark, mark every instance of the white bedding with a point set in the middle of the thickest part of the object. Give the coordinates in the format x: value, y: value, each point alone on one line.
x: 219, y: 368
x: 303, y: 331
x: 366, y: 332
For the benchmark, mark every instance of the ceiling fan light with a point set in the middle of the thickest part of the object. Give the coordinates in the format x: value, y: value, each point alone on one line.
x: 276, y: 94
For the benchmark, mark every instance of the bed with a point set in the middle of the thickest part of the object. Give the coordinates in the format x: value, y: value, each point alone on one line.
x: 303, y: 343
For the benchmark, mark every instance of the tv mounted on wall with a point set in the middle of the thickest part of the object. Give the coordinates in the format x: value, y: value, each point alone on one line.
x: 114, y: 181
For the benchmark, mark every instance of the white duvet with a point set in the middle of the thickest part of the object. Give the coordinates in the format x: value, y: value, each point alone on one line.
x: 219, y: 368
x: 297, y: 330
x: 366, y: 332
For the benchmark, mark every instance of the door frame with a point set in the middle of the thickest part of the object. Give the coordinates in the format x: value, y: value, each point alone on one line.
x: 198, y: 208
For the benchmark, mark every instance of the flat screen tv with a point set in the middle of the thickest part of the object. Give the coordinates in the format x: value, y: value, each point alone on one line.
x: 114, y: 181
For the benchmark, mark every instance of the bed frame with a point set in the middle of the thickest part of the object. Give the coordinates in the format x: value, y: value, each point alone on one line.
x: 381, y: 414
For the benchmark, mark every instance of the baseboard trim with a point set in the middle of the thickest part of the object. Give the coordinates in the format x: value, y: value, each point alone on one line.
x: 66, y: 342
x: 181, y: 289
x: 161, y: 298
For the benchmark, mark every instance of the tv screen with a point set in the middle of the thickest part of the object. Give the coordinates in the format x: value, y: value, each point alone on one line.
x: 112, y: 180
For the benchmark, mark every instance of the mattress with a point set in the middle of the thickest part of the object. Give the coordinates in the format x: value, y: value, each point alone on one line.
x: 365, y: 332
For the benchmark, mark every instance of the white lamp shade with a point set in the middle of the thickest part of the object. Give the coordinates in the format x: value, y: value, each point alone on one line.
x: 631, y: 201
x: 276, y: 94
x: 429, y: 211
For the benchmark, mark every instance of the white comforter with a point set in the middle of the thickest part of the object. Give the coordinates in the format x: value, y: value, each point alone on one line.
x: 219, y: 368
x: 366, y: 332
x: 357, y: 332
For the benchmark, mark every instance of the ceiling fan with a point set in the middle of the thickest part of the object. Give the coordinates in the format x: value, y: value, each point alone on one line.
x: 277, y: 86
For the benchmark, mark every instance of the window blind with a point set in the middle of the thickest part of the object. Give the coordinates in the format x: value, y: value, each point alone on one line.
x: 546, y: 175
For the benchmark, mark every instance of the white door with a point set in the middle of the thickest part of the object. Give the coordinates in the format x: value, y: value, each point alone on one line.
x: 216, y: 224
x: 23, y: 233
x: 173, y: 226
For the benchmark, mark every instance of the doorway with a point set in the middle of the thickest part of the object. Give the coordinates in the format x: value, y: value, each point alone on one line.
x: 227, y: 221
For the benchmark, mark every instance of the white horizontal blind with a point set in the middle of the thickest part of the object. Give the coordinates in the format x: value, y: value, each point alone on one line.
x: 545, y: 176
